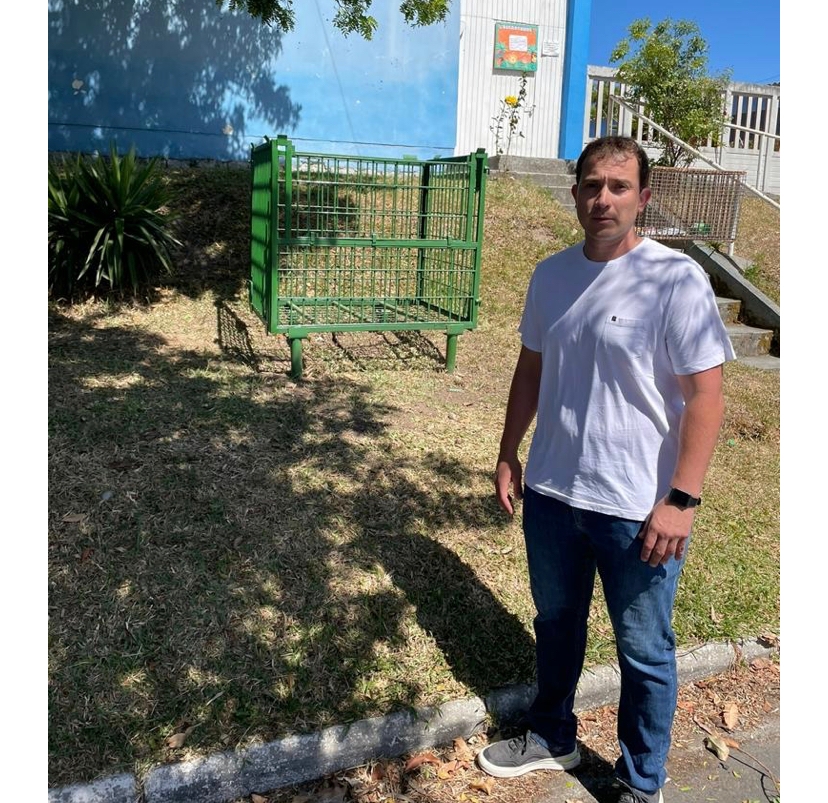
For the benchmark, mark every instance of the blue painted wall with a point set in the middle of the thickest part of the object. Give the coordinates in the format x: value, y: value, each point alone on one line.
x: 185, y: 80
x: 578, y: 16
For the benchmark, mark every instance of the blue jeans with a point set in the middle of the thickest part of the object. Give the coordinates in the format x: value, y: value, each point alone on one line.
x: 565, y: 546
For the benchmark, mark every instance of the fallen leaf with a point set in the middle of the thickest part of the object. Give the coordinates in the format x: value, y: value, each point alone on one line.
x: 418, y: 761
x: 760, y: 663
x: 446, y: 769
x: 715, y: 617
x: 717, y: 746
x: 730, y: 716
x: 462, y: 751
x: 74, y: 518
x: 485, y: 785
x: 686, y: 705
x: 176, y: 740
x: 703, y: 726
x: 731, y: 742
x: 769, y: 639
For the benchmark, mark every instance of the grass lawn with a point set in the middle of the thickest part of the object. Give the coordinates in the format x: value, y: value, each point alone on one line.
x: 236, y: 556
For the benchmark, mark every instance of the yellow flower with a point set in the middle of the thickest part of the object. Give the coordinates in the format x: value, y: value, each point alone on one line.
x: 510, y: 100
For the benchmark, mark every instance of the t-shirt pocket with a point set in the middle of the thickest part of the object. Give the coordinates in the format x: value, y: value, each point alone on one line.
x: 626, y: 336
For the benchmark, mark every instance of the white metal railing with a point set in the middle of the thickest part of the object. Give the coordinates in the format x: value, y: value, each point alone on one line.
x: 749, y: 141
x: 681, y: 143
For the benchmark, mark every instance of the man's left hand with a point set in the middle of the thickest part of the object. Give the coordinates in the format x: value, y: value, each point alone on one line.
x: 665, y: 533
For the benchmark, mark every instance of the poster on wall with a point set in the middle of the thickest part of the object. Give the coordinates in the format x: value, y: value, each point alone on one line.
x: 516, y: 46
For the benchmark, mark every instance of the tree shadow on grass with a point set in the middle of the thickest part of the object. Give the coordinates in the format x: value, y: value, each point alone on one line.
x: 239, y: 558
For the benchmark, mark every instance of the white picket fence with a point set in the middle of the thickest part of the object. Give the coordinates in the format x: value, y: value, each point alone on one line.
x: 750, y: 142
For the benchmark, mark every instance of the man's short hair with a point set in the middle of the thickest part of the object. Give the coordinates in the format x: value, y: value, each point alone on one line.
x: 605, y: 147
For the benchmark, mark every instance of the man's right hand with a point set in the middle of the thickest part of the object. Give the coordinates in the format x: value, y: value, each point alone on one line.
x: 520, y: 410
x: 508, y: 472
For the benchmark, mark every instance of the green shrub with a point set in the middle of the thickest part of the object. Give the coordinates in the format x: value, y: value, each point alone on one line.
x: 106, y: 228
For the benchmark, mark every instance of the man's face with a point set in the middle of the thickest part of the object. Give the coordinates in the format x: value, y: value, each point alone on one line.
x: 608, y: 199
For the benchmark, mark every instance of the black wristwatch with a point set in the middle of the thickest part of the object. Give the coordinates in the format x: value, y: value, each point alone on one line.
x: 682, y: 499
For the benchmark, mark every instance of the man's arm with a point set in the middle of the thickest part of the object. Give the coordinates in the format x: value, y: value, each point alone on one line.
x: 520, y: 410
x: 667, y: 528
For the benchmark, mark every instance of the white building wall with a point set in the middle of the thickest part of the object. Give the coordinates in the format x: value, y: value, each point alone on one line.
x: 482, y: 88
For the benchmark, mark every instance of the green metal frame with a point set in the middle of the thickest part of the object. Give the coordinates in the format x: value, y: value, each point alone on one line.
x: 345, y: 243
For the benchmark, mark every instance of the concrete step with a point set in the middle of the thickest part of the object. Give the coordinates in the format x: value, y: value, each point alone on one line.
x: 556, y: 175
x: 561, y: 194
x: 729, y: 309
x: 561, y: 181
x: 767, y: 362
x: 557, y: 184
x: 748, y: 341
x: 528, y: 164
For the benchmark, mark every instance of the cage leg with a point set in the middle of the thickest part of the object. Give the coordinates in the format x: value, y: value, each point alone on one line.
x: 295, y: 357
x: 451, y: 352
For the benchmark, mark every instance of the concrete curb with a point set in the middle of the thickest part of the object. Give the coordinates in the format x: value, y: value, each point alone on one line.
x: 227, y: 776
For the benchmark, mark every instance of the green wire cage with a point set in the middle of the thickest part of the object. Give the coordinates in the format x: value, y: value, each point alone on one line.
x: 357, y: 244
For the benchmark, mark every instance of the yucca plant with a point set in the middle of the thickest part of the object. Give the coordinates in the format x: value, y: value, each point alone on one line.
x: 106, y: 230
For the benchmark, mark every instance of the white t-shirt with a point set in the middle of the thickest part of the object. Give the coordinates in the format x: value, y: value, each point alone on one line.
x: 613, y: 335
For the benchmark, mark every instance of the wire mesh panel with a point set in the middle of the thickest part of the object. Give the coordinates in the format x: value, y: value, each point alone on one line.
x: 690, y: 204
x: 367, y: 288
x: 345, y: 243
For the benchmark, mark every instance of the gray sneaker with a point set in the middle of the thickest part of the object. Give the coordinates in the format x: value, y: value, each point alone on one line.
x: 513, y: 757
x: 631, y: 795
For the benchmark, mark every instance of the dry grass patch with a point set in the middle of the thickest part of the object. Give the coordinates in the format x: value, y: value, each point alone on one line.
x: 757, y: 240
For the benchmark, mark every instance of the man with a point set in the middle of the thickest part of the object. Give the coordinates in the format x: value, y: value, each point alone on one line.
x: 621, y: 360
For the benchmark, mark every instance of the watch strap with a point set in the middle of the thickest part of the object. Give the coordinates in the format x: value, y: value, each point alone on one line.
x: 682, y: 499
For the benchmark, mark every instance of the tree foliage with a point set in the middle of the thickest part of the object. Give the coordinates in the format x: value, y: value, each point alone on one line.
x: 352, y: 16
x: 665, y: 69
